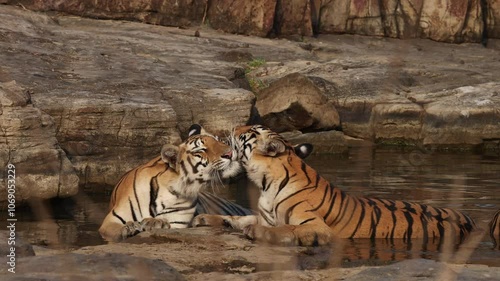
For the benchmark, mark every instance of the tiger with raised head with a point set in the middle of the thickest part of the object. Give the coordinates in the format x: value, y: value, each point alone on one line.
x: 166, y: 191
x: 299, y: 207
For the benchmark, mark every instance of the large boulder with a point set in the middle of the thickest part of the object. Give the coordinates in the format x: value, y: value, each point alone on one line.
x: 295, y: 103
x: 389, y: 92
x: 462, y: 116
x: 29, y: 143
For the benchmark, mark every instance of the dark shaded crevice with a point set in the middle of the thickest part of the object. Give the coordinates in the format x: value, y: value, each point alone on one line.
x: 315, y: 17
x: 383, y: 17
x: 277, y: 21
x: 484, y: 14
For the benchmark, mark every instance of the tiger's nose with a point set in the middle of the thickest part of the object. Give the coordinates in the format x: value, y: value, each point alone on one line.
x: 228, y: 154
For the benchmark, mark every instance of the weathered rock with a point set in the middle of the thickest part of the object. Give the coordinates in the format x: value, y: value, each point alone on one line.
x: 41, y: 166
x: 448, y: 21
x: 493, y: 18
x: 295, y: 103
x: 242, y: 17
x: 293, y: 18
x: 379, y: 97
x: 462, y: 116
x: 323, y: 142
x: 191, y: 252
x: 21, y: 246
x: 163, y: 12
x: 90, y: 267
x: 117, y: 100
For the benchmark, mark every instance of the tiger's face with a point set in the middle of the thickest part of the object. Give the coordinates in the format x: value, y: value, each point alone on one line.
x: 199, y: 160
x: 255, y: 141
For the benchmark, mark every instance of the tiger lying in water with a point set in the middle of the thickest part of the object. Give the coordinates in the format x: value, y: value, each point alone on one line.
x: 299, y: 207
x: 165, y: 192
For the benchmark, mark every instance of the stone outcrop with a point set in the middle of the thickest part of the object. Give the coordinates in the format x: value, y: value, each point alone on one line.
x: 91, y: 267
x: 242, y: 17
x: 29, y: 143
x: 107, y: 94
x: 398, y: 96
x: 111, y: 113
x: 446, y: 20
x: 222, y: 254
x: 295, y: 103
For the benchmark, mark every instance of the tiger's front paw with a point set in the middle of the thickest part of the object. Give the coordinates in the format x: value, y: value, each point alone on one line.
x: 148, y: 224
x: 273, y: 235
x: 208, y: 220
x: 131, y: 228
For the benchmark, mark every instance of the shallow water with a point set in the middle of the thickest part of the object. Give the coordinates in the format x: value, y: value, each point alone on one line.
x: 464, y: 181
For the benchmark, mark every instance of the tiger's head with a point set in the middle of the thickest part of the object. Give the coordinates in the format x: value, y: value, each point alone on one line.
x: 254, y: 143
x: 199, y: 160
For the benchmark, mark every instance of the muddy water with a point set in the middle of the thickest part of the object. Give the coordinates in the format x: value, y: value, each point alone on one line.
x: 464, y: 181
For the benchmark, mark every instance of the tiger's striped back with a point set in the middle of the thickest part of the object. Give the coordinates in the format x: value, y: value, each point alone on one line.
x: 293, y: 193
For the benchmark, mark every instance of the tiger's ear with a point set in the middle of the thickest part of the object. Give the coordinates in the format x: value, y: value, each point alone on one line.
x: 195, y: 129
x: 303, y: 150
x: 169, y: 155
x: 272, y: 147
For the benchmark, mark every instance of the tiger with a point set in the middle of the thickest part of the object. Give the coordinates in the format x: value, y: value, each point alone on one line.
x: 299, y: 207
x: 166, y: 191
x: 494, y: 226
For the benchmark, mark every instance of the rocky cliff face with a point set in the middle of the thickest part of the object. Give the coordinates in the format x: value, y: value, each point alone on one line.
x: 446, y: 20
x: 29, y: 142
x: 92, y: 99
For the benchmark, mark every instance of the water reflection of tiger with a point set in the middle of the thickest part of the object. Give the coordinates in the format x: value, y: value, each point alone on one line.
x: 165, y: 192
x: 495, y: 229
x: 299, y: 207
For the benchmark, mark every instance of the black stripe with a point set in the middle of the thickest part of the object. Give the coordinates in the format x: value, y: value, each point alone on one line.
x: 375, y: 218
x: 288, y: 212
x: 153, y: 195
x: 183, y: 166
x: 322, y: 200
x: 264, y: 182
x: 117, y: 216
x: 409, y: 209
x: 361, y: 217
x: 306, y: 221
x: 173, y: 210
x: 303, y: 167
x: 264, y: 215
x: 290, y: 196
x: 134, y: 217
x: 179, y: 222
x: 284, y: 182
x: 135, y: 193
x: 332, y: 202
